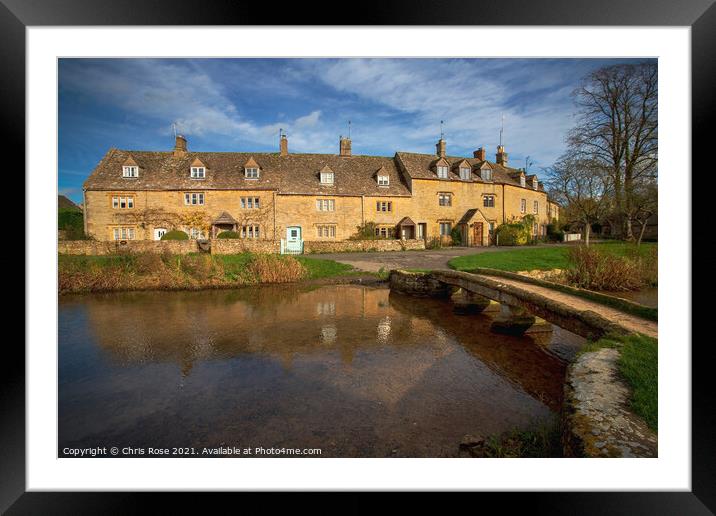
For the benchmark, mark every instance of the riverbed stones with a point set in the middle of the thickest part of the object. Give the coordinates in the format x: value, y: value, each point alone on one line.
x: 418, y: 284
x: 597, y: 421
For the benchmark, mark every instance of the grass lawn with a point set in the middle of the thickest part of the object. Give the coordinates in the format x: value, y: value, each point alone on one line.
x: 325, y: 268
x: 639, y: 365
x: 535, y: 258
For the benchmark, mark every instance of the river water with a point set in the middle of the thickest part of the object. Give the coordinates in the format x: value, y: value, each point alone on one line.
x: 356, y: 371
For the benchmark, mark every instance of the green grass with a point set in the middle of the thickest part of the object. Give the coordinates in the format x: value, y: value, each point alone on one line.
x: 325, y: 268
x: 536, y: 258
x: 639, y: 365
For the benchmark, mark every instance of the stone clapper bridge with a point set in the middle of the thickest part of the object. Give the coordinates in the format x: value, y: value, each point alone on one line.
x: 596, y: 419
x: 521, y: 300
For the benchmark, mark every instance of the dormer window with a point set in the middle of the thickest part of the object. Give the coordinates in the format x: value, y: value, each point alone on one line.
x: 486, y: 174
x: 130, y: 171
x: 251, y: 173
x: 464, y: 173
x: 522, y: 181
x: 383, y: 181
x: 198, y: 172
x: 327, y: 178
x: 442, y: 171
x: 535, y: 183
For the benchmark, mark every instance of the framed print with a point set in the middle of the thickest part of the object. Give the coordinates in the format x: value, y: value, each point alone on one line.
x: 397, y: 252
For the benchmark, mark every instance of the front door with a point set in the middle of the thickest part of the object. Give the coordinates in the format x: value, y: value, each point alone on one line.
x: 477, y: 234
x: 159, y: 233
x: 422, y: 231
x: 293, y: 239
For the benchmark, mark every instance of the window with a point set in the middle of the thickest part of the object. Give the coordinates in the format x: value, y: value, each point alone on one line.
x: 198, y: 172
x: 327, y: 178
x: 535, y: 183
x: 522, y: 181
x: 326, y: 204
x: 384, y: 206
x: 491, y: 227
x: 383, y: 181
x: 535, y: 229
x: 130, y: 171
x: 536, y: 207
x: 122, y: 203
x: 465, y: 174
x: 445, y: 228
x: 523, y: 205
x: 196, y: 234
x: 487, y: 174
x: 251, y: 173
x: 442, y: 172
x: 250, y: 231
x: 250, y: 203
x: 194, y: 198
x: 123, y: 233
x: 326, y: 231
x: 384, y: 232
x: 488, y: 201
x: 445, y: 199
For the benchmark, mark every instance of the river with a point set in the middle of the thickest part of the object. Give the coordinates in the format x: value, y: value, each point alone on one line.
x: 355, y: 371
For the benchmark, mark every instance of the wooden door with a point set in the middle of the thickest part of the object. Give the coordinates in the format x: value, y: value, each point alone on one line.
x: 477, y: 234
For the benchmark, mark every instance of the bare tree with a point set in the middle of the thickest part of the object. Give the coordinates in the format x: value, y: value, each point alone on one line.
x: 645, y: 205
x: 583, y: 188
x: 617, y: 130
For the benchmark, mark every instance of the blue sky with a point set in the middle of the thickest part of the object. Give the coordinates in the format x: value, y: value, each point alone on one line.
x: 240, y: 104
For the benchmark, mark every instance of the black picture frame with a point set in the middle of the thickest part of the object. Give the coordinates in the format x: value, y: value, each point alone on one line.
x: 700, y: 15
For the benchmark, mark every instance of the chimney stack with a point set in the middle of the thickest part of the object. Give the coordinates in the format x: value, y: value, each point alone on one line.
x: 284, y: 145
x: 345, y: 146
x: 480, y: 154
x: 501, y: 156
x: 440, y: 148
x: 180, y: 147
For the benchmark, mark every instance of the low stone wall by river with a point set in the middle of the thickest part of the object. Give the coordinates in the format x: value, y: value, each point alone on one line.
x: 104, y: 247
x: 348, y: 246
x: 241, y: 245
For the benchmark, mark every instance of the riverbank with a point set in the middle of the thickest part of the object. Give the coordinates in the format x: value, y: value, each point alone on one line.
x: 151, y: 271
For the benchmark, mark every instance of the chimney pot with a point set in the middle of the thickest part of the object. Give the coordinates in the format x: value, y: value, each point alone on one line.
x: 480, y: 154
x: 441, y: 148
x: 180, y: 149
x: 345, y: 146
x: 284, y: 145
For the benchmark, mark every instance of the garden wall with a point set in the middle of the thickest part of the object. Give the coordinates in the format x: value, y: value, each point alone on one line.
x: 350, y: 246
x: 103, y: 247
x: 238, y: 245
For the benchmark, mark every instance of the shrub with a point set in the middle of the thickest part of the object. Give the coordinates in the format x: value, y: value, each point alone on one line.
x: 175, y: 234
x: 270, y: 268
x: 554, y: 232
x: 456, y: 236
x: 515, y: 233
x: 228, y: 234
x: 434, y: 243
x: 594, y: 269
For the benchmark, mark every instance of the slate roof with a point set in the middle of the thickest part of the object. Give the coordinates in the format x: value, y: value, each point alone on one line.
x: 421, y: 166
x: 292, y: 174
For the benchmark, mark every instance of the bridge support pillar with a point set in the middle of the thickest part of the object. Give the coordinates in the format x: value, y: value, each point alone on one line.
x: 512, y: 320
x: 466, y: 302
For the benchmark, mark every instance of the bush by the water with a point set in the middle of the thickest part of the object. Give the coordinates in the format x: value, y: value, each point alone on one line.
x: 594, y: 268
x: 175, y: 234
x: 228, y: 234
x: 515, y: 233
x: 71, y: 221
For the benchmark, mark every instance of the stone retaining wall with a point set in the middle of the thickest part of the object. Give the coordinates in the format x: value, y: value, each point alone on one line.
x: 596, y: 420
x: 348, y: 246
x: 104, y: 247
x: 238, y: 245
x: 418, y: 284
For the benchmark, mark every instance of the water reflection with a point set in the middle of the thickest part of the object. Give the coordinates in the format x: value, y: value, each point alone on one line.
x: 354, y: 370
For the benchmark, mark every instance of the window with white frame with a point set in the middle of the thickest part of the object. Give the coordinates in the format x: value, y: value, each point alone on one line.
x: 196, y: 234
x: 326, y: 204
x: 120, y: 202
x: 384, y: 232
x: 442, y: 172
x: 487, y: 174
x: 535, y: 207
x: 383, y: 181
x: 488, y: 201
x: 445, y: 228
x: 250, y: 203
x: 250, y: 231
x: 327, y: 178
x: 445, y: 199
x: 465, y: 173
x: 522, y: 181
x: 251, y: 173
x: 123, y: 233
x: 383, y: 206
x: 194, y: 198
x: 198, y: 172
x: 326, y: 231
x: 523, y: 205
x: 130, y: 171
x: 535, y: 183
